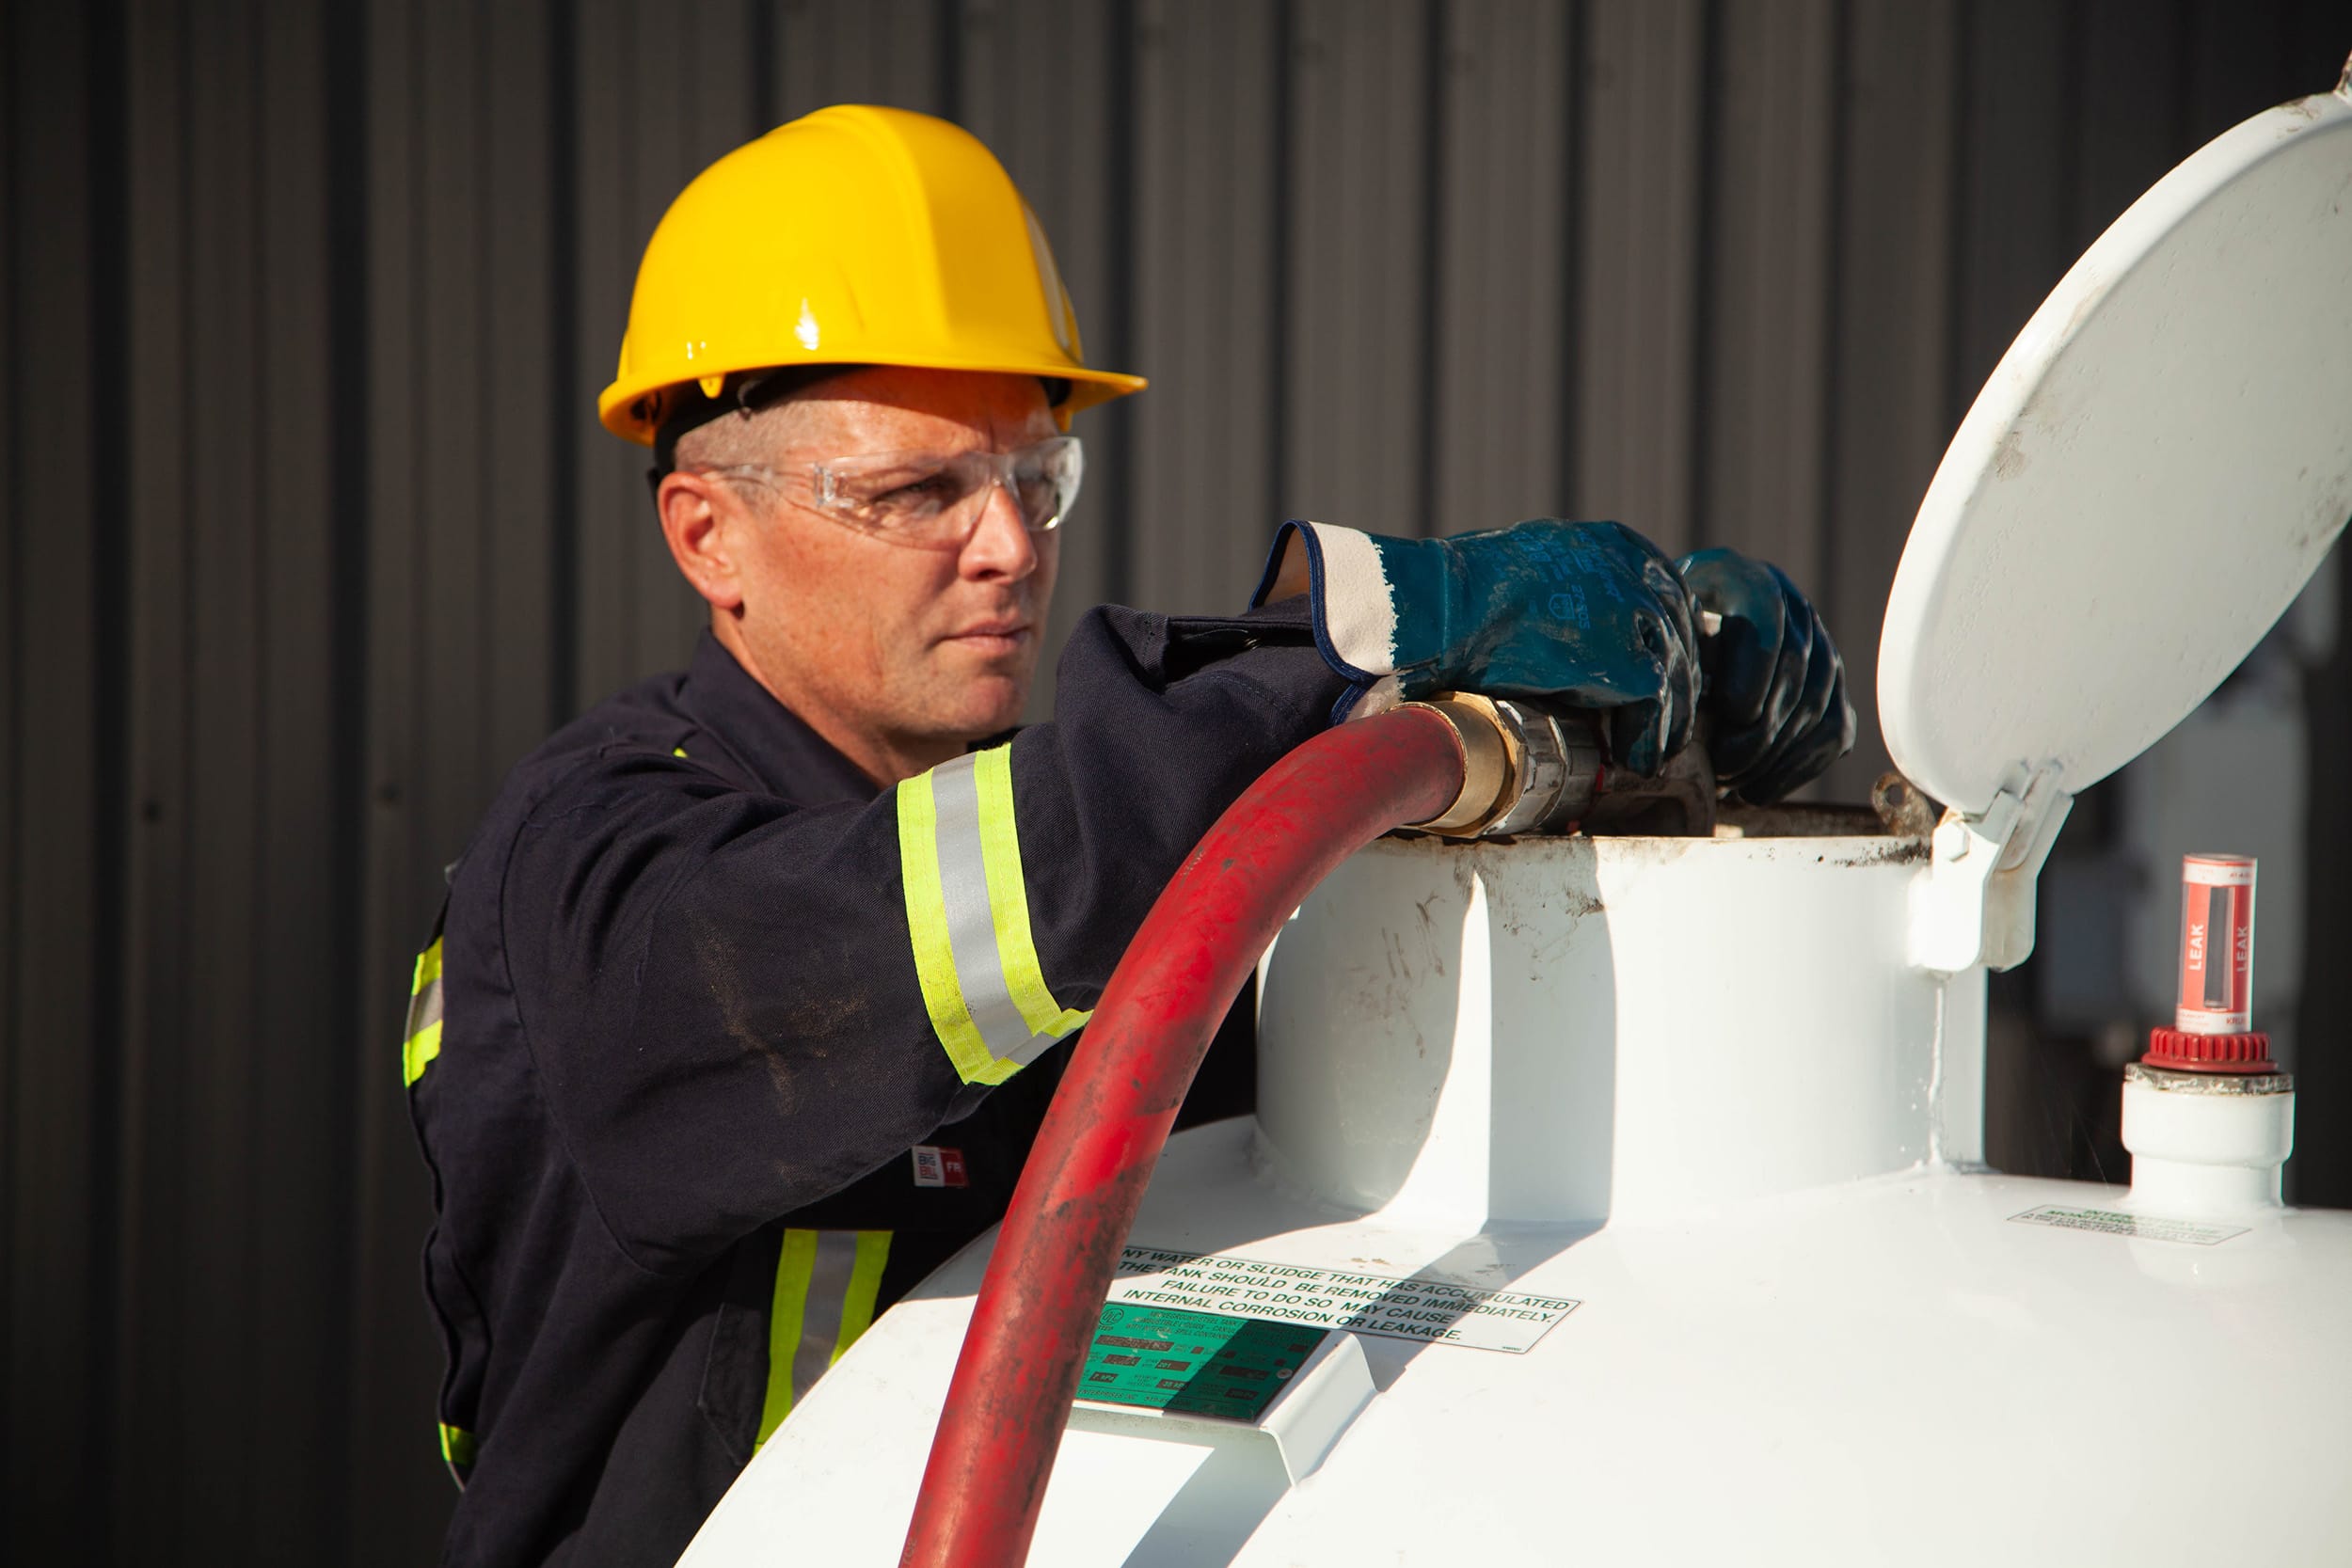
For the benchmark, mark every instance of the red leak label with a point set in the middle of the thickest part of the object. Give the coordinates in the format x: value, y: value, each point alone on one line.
x: 2216, y: 945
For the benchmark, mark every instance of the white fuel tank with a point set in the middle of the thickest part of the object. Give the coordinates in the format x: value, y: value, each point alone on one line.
x: 1632, y: 1169
x: 1571, y: 1030
x: 1619, y: 1200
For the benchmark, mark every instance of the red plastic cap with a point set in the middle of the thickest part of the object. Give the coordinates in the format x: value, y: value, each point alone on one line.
x: 2184, y: 1051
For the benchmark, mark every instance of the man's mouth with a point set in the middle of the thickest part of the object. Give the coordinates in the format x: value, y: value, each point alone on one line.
x: 992, y: 635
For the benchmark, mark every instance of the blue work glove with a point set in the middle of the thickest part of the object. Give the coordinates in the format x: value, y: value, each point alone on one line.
x: 1775, y: 688
x: 1590, y: 614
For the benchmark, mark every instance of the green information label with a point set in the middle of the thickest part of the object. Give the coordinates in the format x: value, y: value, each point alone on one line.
x: 1198, y: 1363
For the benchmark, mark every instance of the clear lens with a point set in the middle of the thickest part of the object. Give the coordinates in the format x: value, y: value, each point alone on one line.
x: 935, y: 501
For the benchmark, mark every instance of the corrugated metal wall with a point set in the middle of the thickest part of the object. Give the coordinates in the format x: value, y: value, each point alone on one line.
x: 310, y: 530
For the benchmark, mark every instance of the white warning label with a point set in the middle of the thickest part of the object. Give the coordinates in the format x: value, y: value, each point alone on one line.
x: 1432, y: 1311
x: 2114, y: 1222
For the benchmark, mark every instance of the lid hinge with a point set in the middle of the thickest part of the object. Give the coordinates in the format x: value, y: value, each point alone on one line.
x: 1974, y: 903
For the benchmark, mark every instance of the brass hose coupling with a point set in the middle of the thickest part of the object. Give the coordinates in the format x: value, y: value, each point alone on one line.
x: 1524, y: 770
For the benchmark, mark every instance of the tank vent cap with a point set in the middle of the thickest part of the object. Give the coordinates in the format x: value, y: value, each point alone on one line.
x: 2212, y: 1027
x: 2181, y: 1052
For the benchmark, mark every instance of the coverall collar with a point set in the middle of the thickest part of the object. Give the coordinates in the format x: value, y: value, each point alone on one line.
x: 769, y: 743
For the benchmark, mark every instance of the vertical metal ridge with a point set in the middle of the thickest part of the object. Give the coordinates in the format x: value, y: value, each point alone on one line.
x: 1283, y: 242
x: 564, y: 356
x: 1118, y: 314
x: 2184, y: 139
x: 1577, y: 37
x: 1957, y: 373
x: 762, y: 50
x: 420, y: 673
x: 486, y: 379
x: 1832, y: 287
x: 348, y: 628
x: 11, y: 716
x: 947, y: 90
x: 1433, y: 134
x: 1704, y: 526
x: 1957, y: 367
x: 2073, y: 35
x: 110, y: 358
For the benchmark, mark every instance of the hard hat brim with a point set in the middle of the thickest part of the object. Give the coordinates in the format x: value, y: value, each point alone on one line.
x: 635, y: 412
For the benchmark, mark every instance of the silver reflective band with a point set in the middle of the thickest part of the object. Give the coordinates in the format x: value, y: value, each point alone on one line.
x: 968, y: 919
x: 821, y: 1318
x: 827, y: 1283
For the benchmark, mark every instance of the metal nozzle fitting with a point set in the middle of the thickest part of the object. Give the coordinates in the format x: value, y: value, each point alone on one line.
x: 1523, y: 770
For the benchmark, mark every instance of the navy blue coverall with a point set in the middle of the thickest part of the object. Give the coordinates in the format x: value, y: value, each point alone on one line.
x: 704, y: 1056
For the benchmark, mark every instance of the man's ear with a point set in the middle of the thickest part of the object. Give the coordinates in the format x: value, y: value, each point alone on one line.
x: 702, y: 518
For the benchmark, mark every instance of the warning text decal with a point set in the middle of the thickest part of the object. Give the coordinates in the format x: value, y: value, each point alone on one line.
x: 1432, y: 1312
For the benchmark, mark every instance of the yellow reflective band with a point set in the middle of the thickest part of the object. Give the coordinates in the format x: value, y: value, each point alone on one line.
x: 419, y: 1051
x: 827, y: 1283
x: 865, y: 1277
x: 927, y: 928
x: 1009, y: 900
x: 679, y: 751
x: 793, y: 1267
x: 422, y: 1042
x: 457, y: 1444
x: 428, y: 968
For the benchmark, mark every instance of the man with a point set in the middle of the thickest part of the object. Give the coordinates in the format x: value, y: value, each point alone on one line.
x: 741, y: 1014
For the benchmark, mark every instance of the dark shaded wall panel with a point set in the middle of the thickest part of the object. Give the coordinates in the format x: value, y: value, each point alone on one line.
x: 1209, y: 194
x: 17, y: 1321
x: 299, y: 1072
x: 156, y: 1137
x: 1889, y: 408
x: 2127, y: 50
x: 522, y: 428
x: 898, y: 53
x: 394, y: 1348
x: 663, y: 92
x: 2017, y: 181
x: 1635, y: 346
x: 1764, y: 321
x: 1494, y: 404
x: 312, y: 532
x: 55, y: 1229
x: 1356, y: 367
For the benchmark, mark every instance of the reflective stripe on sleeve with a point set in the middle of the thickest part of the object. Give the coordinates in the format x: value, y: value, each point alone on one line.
x: 968, y: 917
x: 421, y: 1039
x: 826, y: 1282
x: 457, y: 1451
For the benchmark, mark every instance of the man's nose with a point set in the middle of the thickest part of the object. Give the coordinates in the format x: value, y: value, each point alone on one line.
x: 1000, y: 548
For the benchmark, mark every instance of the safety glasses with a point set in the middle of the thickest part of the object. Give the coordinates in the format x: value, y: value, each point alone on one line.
x: 930, y: 500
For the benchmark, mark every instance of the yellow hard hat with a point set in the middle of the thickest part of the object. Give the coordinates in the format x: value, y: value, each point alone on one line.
x: 852, y: 236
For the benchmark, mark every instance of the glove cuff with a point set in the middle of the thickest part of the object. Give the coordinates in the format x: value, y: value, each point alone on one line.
x: 1380, y: 605
x: 1343, y: 572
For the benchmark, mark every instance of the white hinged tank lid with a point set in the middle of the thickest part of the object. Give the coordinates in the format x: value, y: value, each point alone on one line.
x: 2156, y: 467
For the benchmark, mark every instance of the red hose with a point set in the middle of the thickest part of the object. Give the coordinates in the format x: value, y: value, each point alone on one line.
x: 1103, y: 1136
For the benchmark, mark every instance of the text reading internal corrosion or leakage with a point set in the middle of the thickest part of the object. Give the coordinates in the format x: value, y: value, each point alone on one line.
x: 1432, y: 1312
